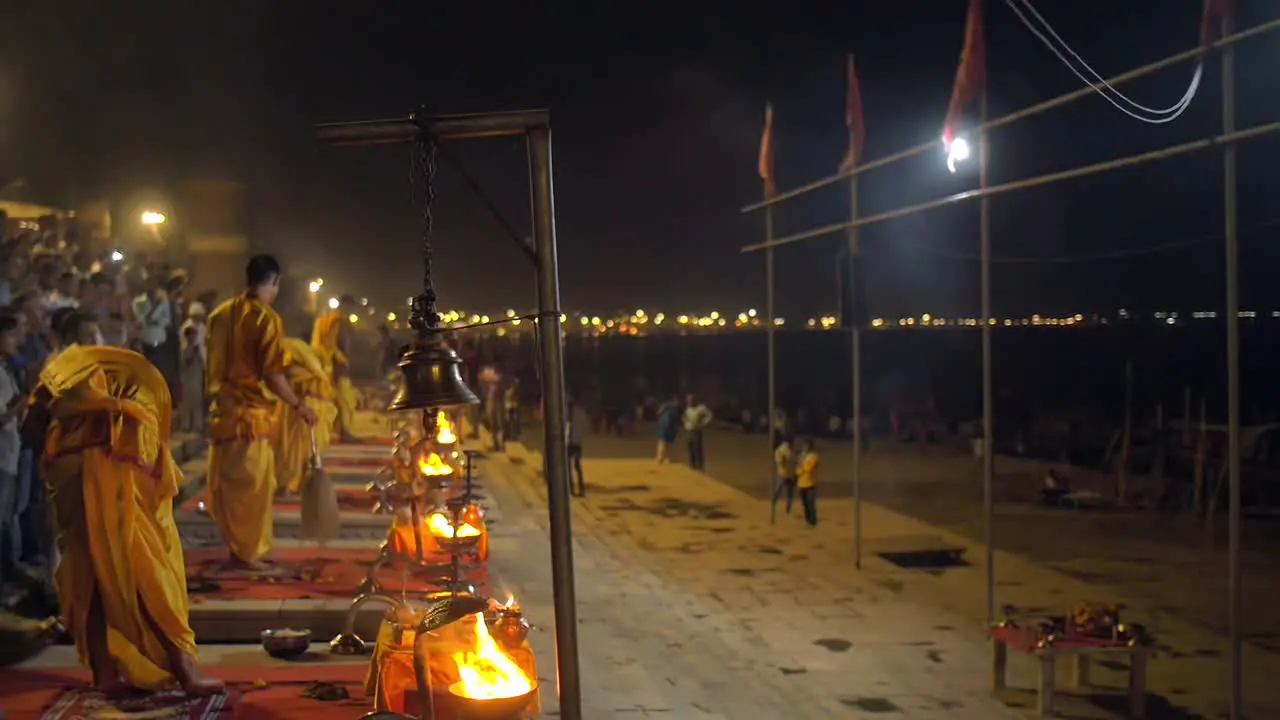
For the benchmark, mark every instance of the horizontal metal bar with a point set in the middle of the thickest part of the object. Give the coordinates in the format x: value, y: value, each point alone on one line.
x: 1017, y: 115
x: 398, y: 130
x: 1168, y: 152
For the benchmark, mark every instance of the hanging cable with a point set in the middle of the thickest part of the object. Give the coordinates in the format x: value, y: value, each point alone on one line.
x: 1100, y: 85
x: 1100, y: 80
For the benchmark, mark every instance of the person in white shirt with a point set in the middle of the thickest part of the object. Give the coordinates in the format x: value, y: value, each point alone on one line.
x: 154, y: 314
x: 197, y: 319
x: 697, y: 416
x: 784, y: 473
x: 56, y: 291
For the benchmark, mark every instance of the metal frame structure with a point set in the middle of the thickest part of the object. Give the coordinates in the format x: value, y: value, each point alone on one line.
x: 535, y: 126
x: 1226, y: 140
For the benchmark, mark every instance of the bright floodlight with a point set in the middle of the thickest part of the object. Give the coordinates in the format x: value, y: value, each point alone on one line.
x: 151, y: 217
x: 333, y: 303
x: 314, y: 286
x: 957, y: 152
x: 116, y: 256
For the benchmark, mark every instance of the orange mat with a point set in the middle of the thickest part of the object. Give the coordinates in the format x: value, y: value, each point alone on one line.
x: 311, y: 573
x: 254, y: 693
x: 350, y: 499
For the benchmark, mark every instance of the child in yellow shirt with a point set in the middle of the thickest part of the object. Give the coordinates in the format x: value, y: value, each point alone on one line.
x: 805, y: 469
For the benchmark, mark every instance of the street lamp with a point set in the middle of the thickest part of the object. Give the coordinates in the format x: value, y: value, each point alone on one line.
x: 957, y: 152
x: 314, y: 287
x: 151, y: 217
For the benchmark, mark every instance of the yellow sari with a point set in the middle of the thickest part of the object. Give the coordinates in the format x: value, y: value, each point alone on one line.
x: 310, y: 383
x: 112, y: 481
x: 326, y: 341
x: 245, y: 346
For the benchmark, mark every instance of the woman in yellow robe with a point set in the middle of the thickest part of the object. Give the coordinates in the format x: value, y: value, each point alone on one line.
x: 329, y: 340
x: 105, y: 414
x: 293, y: 443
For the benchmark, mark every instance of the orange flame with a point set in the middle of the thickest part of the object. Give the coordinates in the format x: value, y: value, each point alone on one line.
x: 488, y: 673
x: 444, y: 430
x: 433, y: 466
x: 440, y: 526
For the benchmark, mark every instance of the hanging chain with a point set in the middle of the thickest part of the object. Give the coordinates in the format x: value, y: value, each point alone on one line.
x: 422, y: 177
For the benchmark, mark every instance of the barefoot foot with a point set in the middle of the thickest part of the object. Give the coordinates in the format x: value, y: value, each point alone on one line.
x: 193, y: 680
x: 236, y: 563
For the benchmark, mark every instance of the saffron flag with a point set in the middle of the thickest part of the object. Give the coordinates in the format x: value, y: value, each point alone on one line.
x: 766, y: 154
x: 972, y: 73
x: 1216, y: 22
x: 853, y: 121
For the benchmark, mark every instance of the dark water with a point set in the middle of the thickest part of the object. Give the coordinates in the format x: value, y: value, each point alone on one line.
x: 1040, y: 372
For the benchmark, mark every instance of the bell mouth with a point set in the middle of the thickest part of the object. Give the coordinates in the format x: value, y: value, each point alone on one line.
x: 432, y: 378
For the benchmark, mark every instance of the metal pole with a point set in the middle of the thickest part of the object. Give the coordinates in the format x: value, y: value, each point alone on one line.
x: 1165, y: 153
x: 855, y: 295
x: 988, y: 401
x: 555, y: 458
x: 443, y: 127
x: 769, y: 336
x: 1236, y: 592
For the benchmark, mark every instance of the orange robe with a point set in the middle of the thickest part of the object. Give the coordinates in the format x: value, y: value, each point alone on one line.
x: 293, y: 442
x: 112, y: 481
x: 327, y: 341
x: 245, y: 346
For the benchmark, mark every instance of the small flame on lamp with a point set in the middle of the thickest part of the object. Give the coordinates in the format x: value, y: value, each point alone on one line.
x: 486, y: 672
x: 444, y: 430
x: 440, y: 526
x: 433, y: 466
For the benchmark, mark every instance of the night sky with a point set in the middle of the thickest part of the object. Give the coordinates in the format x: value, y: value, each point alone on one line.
x: 656, y: 110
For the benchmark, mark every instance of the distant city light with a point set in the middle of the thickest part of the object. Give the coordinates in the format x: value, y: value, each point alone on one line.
x: 353, y: 318
x: 151, y: 217
x: 116, y: 256
x: 313, y: 287
x: 333, y: 303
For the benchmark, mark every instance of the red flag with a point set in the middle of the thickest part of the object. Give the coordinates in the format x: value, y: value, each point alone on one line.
x: 766, y: 154
x: 853, y: 121
x: 972, y: 73
x: 1217, y: 20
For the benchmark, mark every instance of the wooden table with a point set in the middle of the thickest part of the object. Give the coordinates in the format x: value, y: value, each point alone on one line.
x: 1082, y: 652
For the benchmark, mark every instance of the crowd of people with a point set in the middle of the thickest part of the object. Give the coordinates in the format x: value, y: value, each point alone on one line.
x: 54, y: 294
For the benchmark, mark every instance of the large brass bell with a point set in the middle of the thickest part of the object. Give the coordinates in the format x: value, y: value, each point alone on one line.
x: 432, y: 378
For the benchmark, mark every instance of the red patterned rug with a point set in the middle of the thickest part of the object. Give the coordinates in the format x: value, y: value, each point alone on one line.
x: 253, y: 693
x: 313, y: 573
x: 351, y: 498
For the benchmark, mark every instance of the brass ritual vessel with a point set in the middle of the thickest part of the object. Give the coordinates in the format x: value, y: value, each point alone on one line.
x: 404, y: 489
x: 423, y: 625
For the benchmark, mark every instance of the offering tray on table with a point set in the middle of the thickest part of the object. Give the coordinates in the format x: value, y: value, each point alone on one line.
x: 1055, y: 637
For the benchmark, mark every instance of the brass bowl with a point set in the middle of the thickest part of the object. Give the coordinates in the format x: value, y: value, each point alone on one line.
x: 507, y: 708
x: 457, y: 545
x: 286, y: 643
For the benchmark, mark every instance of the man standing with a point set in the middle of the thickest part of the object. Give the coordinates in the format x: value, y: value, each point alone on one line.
x: 154, y: 313
x: 578, y: 421
x: 246, y: 352
x: 330, y: 338
x: 697, y: 416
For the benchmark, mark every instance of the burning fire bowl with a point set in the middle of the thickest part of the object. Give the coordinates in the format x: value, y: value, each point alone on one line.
x: 457, y: 545
x: 508, y: 708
